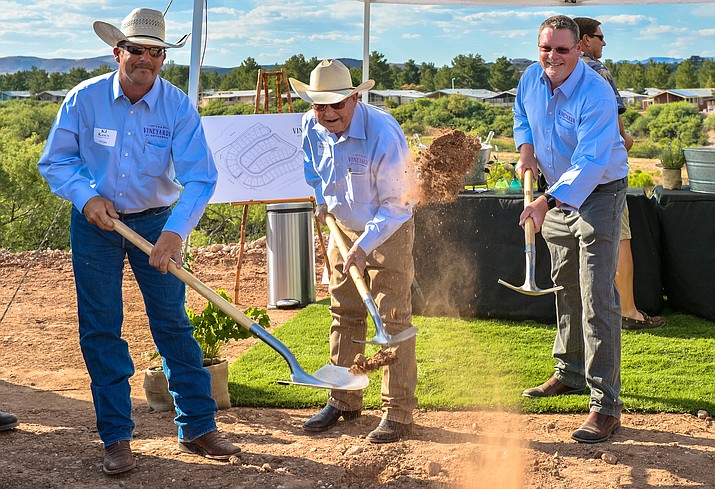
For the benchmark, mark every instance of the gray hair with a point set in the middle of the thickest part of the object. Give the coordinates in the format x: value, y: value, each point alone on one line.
x: 561, y: 22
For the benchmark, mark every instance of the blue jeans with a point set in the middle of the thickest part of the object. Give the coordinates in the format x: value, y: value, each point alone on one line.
x: 584, y: 257
x: 98, y: 262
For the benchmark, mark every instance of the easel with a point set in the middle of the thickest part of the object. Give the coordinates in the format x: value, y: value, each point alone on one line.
x: 281, y: 79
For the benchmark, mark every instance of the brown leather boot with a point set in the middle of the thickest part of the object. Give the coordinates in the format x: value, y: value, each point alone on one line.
x: 552, y: 387
x: 213, y: 445
x: 597, y: 428
x: 118, y: 458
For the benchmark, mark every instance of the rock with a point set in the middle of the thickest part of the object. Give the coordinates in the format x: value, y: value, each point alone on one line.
x: 703, y: 414
x: 550, y: 425
x: 609, y: 458
x: 353, y: 450
x: 215, y: 248
x: 432, y: 468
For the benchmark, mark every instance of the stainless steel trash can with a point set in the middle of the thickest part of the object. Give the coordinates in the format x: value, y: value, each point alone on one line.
x: 290, y: 254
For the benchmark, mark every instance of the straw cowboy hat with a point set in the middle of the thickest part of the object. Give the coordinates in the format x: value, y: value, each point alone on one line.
x: 142, y: 26
x: 330, y: 83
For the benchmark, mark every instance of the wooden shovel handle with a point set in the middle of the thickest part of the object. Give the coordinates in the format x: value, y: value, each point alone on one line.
x: 186, y: 277
x: 528, y: 199
x: 343, y: 247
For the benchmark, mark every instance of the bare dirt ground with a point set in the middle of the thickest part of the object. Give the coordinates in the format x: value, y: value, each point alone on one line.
x: 43, y: 380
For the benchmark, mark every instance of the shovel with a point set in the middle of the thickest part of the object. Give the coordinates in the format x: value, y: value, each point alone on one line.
x: 381, y: 336
x: 530, y: 287
x: 327, y: 377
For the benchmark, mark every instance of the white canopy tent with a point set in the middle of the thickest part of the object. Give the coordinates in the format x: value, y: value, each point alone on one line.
x: 198, y: 13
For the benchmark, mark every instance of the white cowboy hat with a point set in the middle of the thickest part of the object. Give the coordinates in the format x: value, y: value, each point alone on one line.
x: 330, y: 83
x: 142, y: 26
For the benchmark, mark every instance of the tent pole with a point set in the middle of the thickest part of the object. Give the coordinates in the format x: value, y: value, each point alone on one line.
x: 366, y: 48
x: 194, y: 67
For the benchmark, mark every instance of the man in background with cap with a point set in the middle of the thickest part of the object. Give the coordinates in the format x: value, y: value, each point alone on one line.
x: 591, y: 45
x: 357, y: 160
x: 128, y: 145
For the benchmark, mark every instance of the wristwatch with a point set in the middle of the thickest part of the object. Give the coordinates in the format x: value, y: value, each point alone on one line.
x: 550, y: 201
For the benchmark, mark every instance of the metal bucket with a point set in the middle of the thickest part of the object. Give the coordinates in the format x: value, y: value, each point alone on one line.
x: 701, y: 169
x: 290, y: 254
x: 477, y: 176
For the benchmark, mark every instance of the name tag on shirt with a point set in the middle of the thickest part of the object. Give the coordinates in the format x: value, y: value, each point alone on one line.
x: 105, y: 137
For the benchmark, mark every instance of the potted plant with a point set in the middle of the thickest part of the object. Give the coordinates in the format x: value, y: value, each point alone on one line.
x: 672, y: 159
x: 213, y: 329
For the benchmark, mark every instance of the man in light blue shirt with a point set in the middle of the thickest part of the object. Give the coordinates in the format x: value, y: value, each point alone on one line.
x: 356, y: 159
x: 566, y: 125
x: 128, y: 145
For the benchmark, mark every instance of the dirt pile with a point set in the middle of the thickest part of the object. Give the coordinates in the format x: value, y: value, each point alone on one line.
x: 441, y: 168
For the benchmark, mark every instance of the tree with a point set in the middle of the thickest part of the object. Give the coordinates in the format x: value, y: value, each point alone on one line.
x: 443, y: 79
x: 675, y: 120
x: 685, y: 75
x: 381, y: 71
x: 470, y: 71
x: 176, y: 75
x: 503, y: 75
x: 656, y: 75
x: 242, y: 78
x: 38, y: 80
x: 427, y: 74
x: 706, y: 74
x: 630, y: 76
x: 299, y: 68
x: 409, y: 75
x: 75, y: 76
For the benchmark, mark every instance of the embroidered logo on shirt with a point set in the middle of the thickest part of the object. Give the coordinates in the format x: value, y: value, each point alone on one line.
x: 105, y: 137
x: 566, y: 118
x: 157, y: 131
x: 357, y: 163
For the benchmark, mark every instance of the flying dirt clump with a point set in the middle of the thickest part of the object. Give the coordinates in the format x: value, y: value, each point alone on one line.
x: 362, y: 364
x: 440, y: 169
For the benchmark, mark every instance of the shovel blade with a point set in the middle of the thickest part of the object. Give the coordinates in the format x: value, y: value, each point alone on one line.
x: 389, y: 339
x: 329, y: 377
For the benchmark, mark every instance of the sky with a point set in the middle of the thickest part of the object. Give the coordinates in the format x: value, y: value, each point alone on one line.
x: 271, y: 31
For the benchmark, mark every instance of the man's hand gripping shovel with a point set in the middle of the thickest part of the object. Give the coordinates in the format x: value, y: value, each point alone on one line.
x: 530, y: 287
x: 327, y: 377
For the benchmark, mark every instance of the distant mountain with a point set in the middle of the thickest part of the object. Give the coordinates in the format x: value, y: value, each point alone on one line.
x: 11, y: 64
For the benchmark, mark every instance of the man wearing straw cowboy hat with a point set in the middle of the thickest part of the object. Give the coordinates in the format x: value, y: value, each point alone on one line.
x: 129, y: 145
x: 356, y: 159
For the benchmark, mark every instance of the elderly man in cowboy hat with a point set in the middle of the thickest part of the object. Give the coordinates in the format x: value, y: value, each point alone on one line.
x: 129, y: 145
x: 356, y: 159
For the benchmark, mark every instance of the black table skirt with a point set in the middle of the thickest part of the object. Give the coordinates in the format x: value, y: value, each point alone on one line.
x: 462, y: 249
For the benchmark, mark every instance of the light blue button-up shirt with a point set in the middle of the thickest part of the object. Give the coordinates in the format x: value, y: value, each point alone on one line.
x: 362, y: 176
x: 574, y: 131
x: 149, y: 154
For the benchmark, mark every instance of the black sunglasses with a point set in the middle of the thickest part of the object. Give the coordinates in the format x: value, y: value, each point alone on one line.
x: 600, y: 36
x: 560, y: 50
x: 335, y: 106
x: 139, y: 50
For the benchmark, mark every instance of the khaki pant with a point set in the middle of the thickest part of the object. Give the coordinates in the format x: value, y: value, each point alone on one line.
x: 389, y: 274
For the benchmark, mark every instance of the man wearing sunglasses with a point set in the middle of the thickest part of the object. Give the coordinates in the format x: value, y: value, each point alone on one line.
x: 591, y: 44
x: 566, y: 126
x: 129, y: 145
x: 357, y: 160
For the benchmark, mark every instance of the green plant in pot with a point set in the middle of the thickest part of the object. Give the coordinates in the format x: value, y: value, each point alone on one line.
x: 672, y: 159
x: 213, y: 329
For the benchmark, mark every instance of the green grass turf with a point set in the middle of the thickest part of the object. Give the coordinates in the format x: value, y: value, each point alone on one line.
x: 485, y: 364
